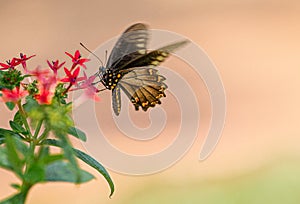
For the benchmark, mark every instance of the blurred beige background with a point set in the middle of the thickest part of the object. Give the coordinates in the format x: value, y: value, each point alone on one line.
x: 256, y: 48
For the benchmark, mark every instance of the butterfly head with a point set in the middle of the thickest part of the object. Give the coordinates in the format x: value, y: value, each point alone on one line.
x: 101, y: 72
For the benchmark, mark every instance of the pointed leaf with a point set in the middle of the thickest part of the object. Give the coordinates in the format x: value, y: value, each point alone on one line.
x: 63, y: 171
x: 35, y: 173
x: 77, y: 133
x: 12, y: 155
x: 16, y: 186
x: 1, y: 140
x: 88, y: 160
x: 15, y: 199
x: 16, y: 127
x: 10, y: 105
x: 68, y: 152
x: 18, y: 118
x: 4, y: 132
x: 4, y: 163
x: 96, y: 165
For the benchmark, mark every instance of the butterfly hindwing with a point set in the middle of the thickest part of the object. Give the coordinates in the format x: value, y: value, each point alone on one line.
x: 116, y: 100
x: 144, y: 87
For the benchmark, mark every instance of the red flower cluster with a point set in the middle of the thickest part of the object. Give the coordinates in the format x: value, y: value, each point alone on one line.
x: 47, y: 81
x: 13, y: 95
x: 11, y: 64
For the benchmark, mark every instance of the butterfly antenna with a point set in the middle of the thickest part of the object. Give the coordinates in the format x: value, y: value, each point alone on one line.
x: 92, y: 53
x: 101, y: 90
x: 105, y: 56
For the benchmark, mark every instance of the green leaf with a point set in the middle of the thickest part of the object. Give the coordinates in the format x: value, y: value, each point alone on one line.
x: 12, y: 155
x: 35, y: 173
x: 63, y: 171
x: 88, y: 160
x: 96, y: 165
x: 16, y: 127
x: 10, y: 105
x: 30, y: 103
x: 52, y: 142
x: 4, y: 132
x: 77, y: 133
x: 18, y: 118
x: 16, y: 186
x: 21, y: 146
x: 4, y: 163
x: 68, y: 151
x: 1, y: 140
x: 15, y: 199
x: 45, y: 157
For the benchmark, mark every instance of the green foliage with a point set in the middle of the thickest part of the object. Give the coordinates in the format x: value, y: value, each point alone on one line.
x: 10, y: 79
x: 88, y: 160
x: 25, y: 148
x: 28, y: 154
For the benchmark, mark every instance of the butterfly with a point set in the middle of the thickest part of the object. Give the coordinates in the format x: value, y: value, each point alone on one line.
x: 130, y: 68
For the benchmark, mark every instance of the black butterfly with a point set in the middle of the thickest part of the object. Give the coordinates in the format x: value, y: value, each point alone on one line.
x: 130, y: 68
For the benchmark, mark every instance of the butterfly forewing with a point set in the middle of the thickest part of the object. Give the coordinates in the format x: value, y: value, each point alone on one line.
x: 133, y: 40
x: 153, y: 58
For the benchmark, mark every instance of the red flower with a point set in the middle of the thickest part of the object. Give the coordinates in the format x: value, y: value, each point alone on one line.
x: 13, y: 95
x: 72, y: 78
x: 16, y: 61
x: 46, y: 87
x: 22, y: 60
x: 55, y: 66
x: 9, y: 64
x: 76, y: 59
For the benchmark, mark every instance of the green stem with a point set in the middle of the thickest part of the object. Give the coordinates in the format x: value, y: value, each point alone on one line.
x: 70, y: 85
x: 24, y: 120
x: 37, y: 130
x: 43, y: 136
x: 26, y: 186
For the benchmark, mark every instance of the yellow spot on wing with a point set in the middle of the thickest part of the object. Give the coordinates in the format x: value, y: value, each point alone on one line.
x: 140, y: 45
x: 160, y: 58
x: 155, y: 63
x: 164, y: 54
x: 142, y: 52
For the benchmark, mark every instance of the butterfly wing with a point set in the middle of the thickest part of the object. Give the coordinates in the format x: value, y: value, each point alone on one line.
x: 116, y: 100
x: 133, y: 40
x: 153, y: 58
x: 143, y: 86
x: 141, y: 83
x: 128, y: 61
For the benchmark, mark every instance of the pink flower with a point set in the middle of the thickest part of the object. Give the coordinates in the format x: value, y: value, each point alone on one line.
x: 13, y: 95
x: 90, y: 91
x: 38, y: 72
